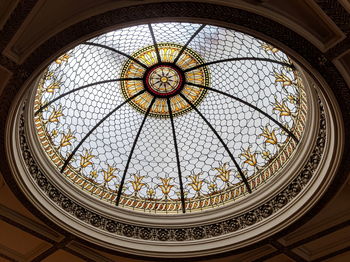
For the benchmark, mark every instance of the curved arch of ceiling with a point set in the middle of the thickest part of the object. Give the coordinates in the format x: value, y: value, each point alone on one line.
x: 229, y: 237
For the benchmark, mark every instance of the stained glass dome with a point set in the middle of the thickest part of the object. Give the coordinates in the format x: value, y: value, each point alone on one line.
x: 170, y: 117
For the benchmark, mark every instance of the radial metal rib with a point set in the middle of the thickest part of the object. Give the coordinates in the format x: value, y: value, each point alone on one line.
x: 250, y: 105
x: 177, y: 157
x: 240, y: 59
x: 189, y: 41
x: 82, y: 87
x: 132, y: 151
x: 93, y: 129
x: 245, y: 181
x: 118, y: 52
x: 155, y: 43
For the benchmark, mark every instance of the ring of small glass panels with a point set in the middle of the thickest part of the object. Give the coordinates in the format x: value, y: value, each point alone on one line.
x: 195, y: 141
x: 164, y: 80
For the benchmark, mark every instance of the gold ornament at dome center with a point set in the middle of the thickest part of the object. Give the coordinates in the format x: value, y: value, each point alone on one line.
x: 165, y: 80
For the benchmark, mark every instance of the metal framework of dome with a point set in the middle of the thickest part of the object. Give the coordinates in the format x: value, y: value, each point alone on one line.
x: 170, y: 117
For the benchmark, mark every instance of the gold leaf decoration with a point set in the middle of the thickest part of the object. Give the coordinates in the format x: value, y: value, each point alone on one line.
x: 293, y: 99
x: 93, y: 174
x: 270, y: 136
x: 151, y: 192
x: 166, y: 186
x: 66, y: 139
x: 54, y: 133
x: 49, y: 75
x: 108, y: 174
x: 196, y: 182
x: 62, y: 58
x: 55, y: 114
x: 250, y: 157
x: 266, y: 155
x: 212, y: 186
x: 85, y: 159
x: 283, y: 79
x: 271, y: 48
x: 51, y: 88
x: 137, y: 182
x: 224, y: 172
x: 282, y: 108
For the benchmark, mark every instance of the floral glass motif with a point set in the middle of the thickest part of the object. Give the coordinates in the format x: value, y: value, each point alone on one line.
x: 170, y: 117
x: 164, y: 79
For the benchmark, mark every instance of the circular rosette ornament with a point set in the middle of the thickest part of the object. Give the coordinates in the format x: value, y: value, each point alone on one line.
x: 165, y: 70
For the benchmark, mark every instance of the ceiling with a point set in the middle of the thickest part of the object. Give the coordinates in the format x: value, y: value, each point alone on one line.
x: 28, y: 29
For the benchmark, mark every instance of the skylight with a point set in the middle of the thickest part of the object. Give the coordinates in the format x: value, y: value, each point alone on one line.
x: 170, y: 117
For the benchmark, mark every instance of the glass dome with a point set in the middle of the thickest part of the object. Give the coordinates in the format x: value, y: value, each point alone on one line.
x: 170, y: 117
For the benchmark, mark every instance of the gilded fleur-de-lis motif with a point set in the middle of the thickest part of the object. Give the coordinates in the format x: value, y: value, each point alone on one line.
x: 250, y: 157
x: 85, y: 159
x: 151, y: 192
x: 166, y: 186
x: 271, y: 48
x: 49, y: 75
x: 62, y: 58
x: 196, y: 182
x: 55, y: 114
x: 52, y: 87
x: 40, y: 91
x: 224, y: 172
x: 269, y: 135
x: 283, y: 79
x: 137, y: 182
x: 212, y: 187
x: 66, y: 139
x: 108, y: 174
x: 282, y: 108
x: 93, y: 174
x: 266, y: 154
x: 178, y: 193
x: 293, y: 99
x: 54, y: 133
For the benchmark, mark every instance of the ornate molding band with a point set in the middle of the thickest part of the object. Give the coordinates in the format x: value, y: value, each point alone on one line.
x: 249, y: 218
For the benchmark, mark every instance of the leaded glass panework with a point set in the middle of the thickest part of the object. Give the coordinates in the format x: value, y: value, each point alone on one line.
x: 164, y: 80
x: 170, y: 117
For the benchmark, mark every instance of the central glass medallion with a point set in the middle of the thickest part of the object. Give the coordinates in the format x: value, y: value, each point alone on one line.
x: 164, y: 80
x: 164, y: 71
